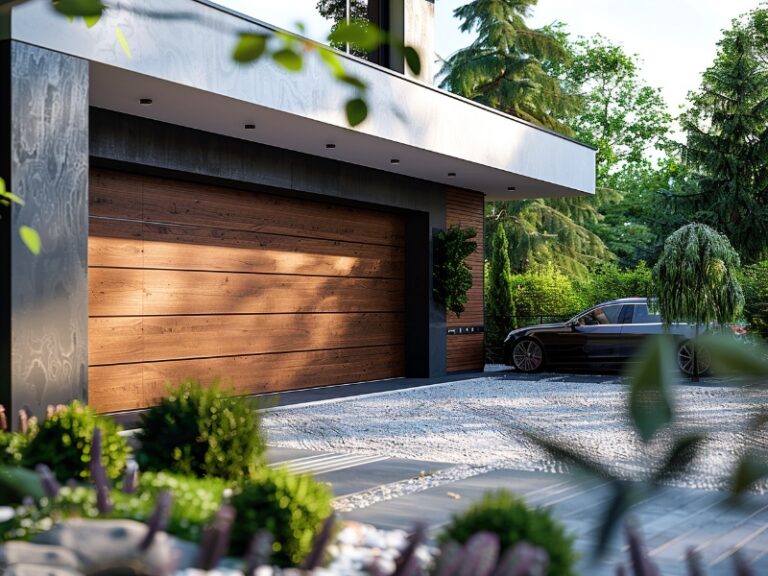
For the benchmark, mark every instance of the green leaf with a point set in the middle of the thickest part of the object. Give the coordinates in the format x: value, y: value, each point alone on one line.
x: 12, y: 197
x: 566, y: 454
x: 31, y: 239
x: 332, y: 60
x: 683, y: 452
x: 353, y: 81
x: 91, y: 21
x: 750, y: 470
x: 250, y: 47
x: 650, y: 404
x: 622, y: 500
x: 412, y: 60
x: 360, y: 33
x: 17, y: 484
x: 734, y: 358
x: 79, y: 7
x: 288, y: 59
x: 123, y: 42
x: 357, y: 111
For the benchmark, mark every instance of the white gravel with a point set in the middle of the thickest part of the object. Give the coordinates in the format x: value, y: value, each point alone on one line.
x: 479, y: 425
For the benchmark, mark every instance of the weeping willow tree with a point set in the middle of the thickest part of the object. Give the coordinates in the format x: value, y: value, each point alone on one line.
x: 508, y: 65
x: 546, y: 231
x: 695, y: 280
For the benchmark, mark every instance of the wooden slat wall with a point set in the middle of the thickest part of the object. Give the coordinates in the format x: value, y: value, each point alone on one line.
x: 265, y: 292
x: 466, y: 351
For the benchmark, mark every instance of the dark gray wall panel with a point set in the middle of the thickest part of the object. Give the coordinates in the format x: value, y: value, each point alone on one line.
x: 119, y: 140
x: 45, y: 111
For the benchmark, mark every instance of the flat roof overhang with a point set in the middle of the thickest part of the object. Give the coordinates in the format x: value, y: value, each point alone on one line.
x: 184, y: 65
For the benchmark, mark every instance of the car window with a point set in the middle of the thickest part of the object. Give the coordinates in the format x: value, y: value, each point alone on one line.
x: 643, y: 316
x: 600, y: 315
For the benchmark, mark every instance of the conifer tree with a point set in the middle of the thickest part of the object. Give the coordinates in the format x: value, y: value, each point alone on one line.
x: 500, y: 309
x: 727, y: 139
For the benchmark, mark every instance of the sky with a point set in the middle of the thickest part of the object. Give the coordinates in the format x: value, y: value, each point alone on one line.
x: 675, y: 39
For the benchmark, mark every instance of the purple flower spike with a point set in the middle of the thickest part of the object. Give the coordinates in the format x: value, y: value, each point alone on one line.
x: 641, y: 564
x: 23, y: 421
x: 3, y: 419
x: 407, y: 564
x: 315, y: 557
x: 216, y: 538
x: 99, y: 475
x: 51, y: 486
x: 742, y: 568
x: 480, y: 554
x: 523, y: 559
x: 159, y: 519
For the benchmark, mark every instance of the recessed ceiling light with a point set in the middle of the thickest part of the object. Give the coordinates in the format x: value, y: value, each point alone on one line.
x: 451, y: 174
x: 330, y: 146
x: 394, y: 161
x: 250, y: 126
x: 511, y: 188
x: 145, y: 101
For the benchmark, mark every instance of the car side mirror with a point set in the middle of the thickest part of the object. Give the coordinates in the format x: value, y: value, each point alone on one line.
x: 572, y: 324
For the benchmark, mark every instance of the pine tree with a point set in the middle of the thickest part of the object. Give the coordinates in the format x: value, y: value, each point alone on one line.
x: 507, y: 66
x: 500, y: 309
x: 727, y: 139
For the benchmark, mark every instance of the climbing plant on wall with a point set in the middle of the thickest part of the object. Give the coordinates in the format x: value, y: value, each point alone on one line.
x: 452, y: 278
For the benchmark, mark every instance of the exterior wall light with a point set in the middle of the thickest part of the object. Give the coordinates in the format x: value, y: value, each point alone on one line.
x: 394, y: 161
x: 145, y: 101
x: 330, y: 146
x: 250, y: 126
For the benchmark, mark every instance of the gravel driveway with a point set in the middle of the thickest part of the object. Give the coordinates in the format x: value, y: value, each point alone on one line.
x: 480, y: 422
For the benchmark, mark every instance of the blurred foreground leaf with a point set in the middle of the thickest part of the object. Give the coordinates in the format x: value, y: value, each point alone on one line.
x: 683, y: 452
x: 249, y: 48
x: 17, y: 484
x: 123, y: 42
x: 412, y: 60
x: 734, y: 358
x: 568, y: 455
x: 750, y: 470
x: 361, y: 34
x: 31, y: 239
x: 357, y: 111
x: 85, y: 8
x: 288, y: 59
x: 650, y: 404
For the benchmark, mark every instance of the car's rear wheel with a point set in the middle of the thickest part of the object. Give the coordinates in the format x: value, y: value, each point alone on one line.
x: 685, y: 359
x: 527, y: 355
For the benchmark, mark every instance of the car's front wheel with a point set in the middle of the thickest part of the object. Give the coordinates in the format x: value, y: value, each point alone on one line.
x: 685, y: 359
x: 527, y: 355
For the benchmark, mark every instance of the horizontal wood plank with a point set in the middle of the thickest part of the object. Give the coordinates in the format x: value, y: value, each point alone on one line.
x: 112, y: 388
x: 132, y: 244
x: 465, y: 352
x: 115, y: 292
x: 120, y: 340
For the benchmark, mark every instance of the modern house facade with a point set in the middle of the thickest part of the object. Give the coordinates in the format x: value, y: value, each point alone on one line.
x: 201, y: 218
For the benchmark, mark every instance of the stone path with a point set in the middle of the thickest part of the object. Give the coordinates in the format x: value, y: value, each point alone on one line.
x: 671, y: 521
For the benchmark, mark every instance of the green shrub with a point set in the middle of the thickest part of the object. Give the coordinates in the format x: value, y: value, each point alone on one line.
x: 513, y: 521
x: 544, y: 294
x: 12, y: 445
x: 195, y: 501
x: 63, y: 442
x: 291, y: 507
x: 203, y: 432
x: 609, y: 283
x: 754, y: 282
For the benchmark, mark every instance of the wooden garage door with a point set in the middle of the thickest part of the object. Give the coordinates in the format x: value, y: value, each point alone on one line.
x: 266, y: 293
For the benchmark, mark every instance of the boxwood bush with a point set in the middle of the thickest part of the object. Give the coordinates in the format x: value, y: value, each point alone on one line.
x: 63, y: 442
x: 203, y: 432
x: 514, y: 521
x: 291, y: 507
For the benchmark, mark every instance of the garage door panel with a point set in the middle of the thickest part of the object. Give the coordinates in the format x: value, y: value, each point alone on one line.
x: 182, y: 292
x: 130, y: 244
x: 277, y: 372
x: 268, y: 292
x: 115, y: 243
x: 200, y: 205
x: 115, y: 388
x: 145, y: 339
x: 115, y: 292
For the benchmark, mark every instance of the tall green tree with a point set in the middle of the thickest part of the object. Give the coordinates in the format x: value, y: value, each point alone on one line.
x: 500, y: 309
x: 727, y: 139
x: 507, y: 67
x: 695, y: 280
